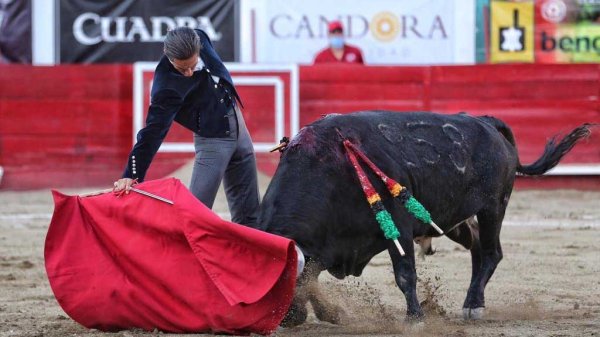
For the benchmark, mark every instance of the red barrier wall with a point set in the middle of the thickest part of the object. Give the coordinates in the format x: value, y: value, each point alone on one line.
x: 63, y: 126
x: 71, y: 125
x: 537, y: 101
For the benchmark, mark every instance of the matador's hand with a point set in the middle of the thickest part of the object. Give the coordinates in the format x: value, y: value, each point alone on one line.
x: 123, y: 185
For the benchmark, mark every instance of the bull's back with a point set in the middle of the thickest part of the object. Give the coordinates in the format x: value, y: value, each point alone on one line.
x: 445, y: 160
x: 422, y: 141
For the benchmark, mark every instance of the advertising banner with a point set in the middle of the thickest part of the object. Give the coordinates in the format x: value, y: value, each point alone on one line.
x: 387, y: 31
x: 567, y: 31
x: 15, y: 31
x: 511, y: 30
x: 118, y: 31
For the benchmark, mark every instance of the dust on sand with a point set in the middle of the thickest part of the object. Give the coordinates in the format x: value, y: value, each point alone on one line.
x: 547, y: 285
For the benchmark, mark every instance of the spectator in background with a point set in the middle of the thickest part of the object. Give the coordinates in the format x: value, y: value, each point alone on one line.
x: 338, y: 51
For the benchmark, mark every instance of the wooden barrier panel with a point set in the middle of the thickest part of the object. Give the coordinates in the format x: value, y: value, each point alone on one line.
x: 64, y: 125
x: 72, y: 125
x: 536, y: 101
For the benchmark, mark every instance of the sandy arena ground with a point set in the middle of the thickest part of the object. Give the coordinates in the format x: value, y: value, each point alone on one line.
x: 547, y: 285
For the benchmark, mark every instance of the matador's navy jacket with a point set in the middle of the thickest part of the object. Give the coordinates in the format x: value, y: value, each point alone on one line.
x: 197, y: 102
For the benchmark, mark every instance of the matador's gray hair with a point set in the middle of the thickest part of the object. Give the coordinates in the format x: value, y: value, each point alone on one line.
x: 181, y: 43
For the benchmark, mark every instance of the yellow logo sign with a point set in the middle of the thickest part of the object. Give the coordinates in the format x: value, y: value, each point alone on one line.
x: 511, y: 32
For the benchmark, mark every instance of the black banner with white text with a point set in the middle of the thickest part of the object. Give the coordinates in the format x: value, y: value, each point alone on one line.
x: 124, y: 31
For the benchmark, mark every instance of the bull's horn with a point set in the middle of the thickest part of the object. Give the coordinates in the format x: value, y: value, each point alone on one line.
x: 300, y: 261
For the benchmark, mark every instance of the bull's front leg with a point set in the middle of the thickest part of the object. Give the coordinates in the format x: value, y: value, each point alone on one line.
x: 325, y: 310
x: 406, y: 275
x: 307, y: 289
x: 297, y: 313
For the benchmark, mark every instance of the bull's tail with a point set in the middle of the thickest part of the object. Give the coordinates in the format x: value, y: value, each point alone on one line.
x: 553, y: 152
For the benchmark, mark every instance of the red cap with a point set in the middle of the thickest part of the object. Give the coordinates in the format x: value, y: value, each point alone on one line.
x: 333, y: 25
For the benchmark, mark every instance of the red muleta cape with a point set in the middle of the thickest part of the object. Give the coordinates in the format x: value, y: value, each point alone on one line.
x: 137, y: 262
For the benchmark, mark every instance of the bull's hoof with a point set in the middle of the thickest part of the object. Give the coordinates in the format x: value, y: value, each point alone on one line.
x: 473, y: 313
x: 295, y: 316
x: 415, y: 317
x: 332, y: 314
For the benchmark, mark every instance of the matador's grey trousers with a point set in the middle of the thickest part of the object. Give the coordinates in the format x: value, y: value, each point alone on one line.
x: 232, y: 160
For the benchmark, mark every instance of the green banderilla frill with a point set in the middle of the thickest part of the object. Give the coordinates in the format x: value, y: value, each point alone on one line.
x: 387, y: 225
x: 414, y: 207
x: 384, y: 218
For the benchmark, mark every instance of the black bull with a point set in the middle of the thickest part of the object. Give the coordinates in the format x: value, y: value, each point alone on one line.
x: 458, y: 166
